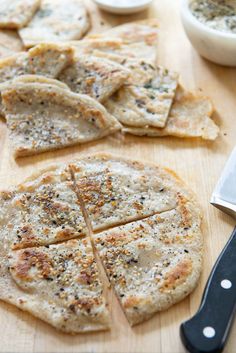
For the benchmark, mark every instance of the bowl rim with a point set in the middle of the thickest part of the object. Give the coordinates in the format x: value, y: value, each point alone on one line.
x: 185, y: 9
x: 125, y: 7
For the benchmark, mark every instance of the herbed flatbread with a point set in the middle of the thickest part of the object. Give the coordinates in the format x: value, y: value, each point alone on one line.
x: 115, y: 191
x: 43, y: 117
x: 132, y: 32
x: 189, y: 117
x: 40, y: 79
x: 155, y: 262
x: 45, y: 59
x: 146, y: 98
x: 15, y: 14
x: 57, y: 283
x: 98, y: 78
x: 41, y: 211
x: 56, y: 20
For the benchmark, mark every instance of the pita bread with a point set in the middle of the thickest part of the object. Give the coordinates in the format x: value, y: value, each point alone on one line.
x: 116, y: 191
x: 43, y: 117
x: 17, y: 13
x: 155, y: 262
x: 57, y: 20
x: 147, y: 99
x: 58, y: 284
x: 189, y: 117
x: 96, y: 77
x: 10, y: 43
x: 41, y: 211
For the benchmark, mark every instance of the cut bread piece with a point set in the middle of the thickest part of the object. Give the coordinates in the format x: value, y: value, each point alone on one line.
x: 155, y: 262
x: 56, y: 20
x: 57, y: 283
x: 40, y: 79
x: 116, y: 191
x: 45, y: 59
x: 98, y: 78
x: 41, y: 211
x: 17, y: 13
x: 147, y: 97
x: 190, y: 116
x: 43, y: 117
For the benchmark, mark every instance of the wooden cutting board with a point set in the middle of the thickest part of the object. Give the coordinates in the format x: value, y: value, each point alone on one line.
x: 198, y: 162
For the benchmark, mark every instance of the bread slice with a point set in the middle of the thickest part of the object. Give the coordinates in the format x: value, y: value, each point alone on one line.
x: 56, y: 21
x: 43, y: 117
x: 155, y: 262
x: 115, y: 191
x: 146, y: 98
x: 98, y: 78
x: 17, y: 13
x: 190, y: 116
x: 57, y: 283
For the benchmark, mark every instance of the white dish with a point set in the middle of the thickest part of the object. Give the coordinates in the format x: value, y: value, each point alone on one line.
x: 123, y: 7
x: 212, y: 44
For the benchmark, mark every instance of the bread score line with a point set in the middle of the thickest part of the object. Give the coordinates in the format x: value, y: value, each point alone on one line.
x: 47, y: 261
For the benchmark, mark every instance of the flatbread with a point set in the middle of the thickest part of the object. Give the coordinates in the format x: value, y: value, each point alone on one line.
x: 15, y: 14
x: 189, y: 117
x: 43, y: 117
x: 132, y: 32
x: 116, y: 48
x: 115, y: 191
x: 10, y: 43
x: 57, y: 20
x: 98, y: 78
x: 153, y: 263
x: 42, y: 211
x: 40, y: 79
x: 147, y: 97
x: 58, y: 284
x: 45, y: 59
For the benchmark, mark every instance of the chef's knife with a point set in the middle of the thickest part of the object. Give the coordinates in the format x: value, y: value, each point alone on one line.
x: 208, y: 329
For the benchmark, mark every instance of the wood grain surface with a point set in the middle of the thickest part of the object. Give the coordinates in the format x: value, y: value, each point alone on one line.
x: 198, y: 162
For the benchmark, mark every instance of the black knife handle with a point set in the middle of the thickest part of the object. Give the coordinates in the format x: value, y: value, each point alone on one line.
x: 207, y: 330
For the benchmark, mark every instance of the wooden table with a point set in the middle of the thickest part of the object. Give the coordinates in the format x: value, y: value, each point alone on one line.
x: 198, y: 162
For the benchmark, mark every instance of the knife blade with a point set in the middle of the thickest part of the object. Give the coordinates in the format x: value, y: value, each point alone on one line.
x: 207, y: 331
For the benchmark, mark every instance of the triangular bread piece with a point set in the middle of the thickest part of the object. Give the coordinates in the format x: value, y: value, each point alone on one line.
x: 56, y: 20
x: 116, y: 191
x: 98, y: 78
x: 57, y: 283
x: 147, y: 97
x: 41, y: 211
x: 132, y: 32
x: 155, y: 262
x: 40, y: 79
x: 45, y: 59
x: 17, y: 13
x: 43, y: 117
x: 189, y: 117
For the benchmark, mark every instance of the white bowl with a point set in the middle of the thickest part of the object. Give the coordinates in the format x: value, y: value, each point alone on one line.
x: 214, y: 45
x: 123, y: 7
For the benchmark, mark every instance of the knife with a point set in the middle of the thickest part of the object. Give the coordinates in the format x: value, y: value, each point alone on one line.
x: 208, y: 329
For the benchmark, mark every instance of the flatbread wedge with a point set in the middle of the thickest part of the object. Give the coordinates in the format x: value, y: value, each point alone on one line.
x: 56, y: 21
x: 190, y: 116
x: 43, y: 117
x: 39, y: 79
x: 155, y: 262
x: 58, y: 284
x: 10, y: 43
x: 115, y: 191
x: 45, y: 59
x: 98, y: 78
x: 17, y: 13
x: 41, y: 211
x: 147, y: 97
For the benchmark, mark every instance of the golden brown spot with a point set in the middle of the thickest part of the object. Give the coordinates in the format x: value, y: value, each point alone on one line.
x: 64, y: 233
x: 131, y: 301
x: 176, y: 276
